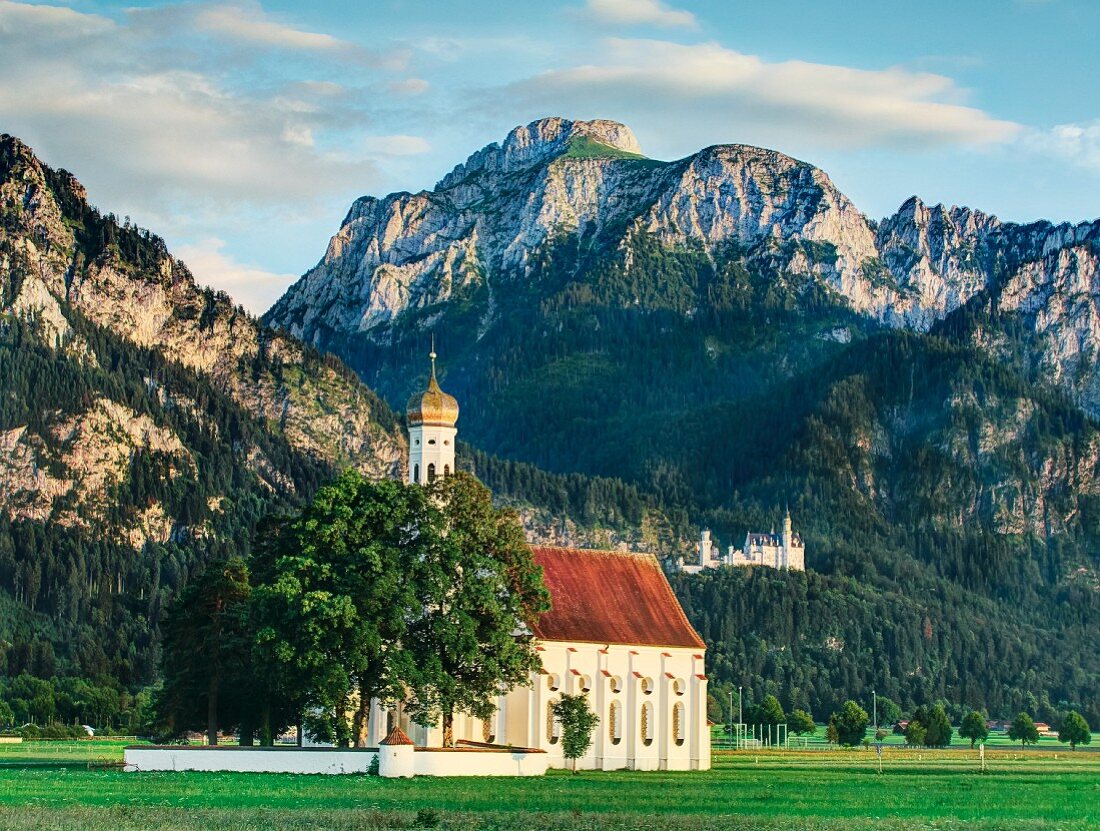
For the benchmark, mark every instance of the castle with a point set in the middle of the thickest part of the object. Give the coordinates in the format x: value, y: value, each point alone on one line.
x: 783, y: 550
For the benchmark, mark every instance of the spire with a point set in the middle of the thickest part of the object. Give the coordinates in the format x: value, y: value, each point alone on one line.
x: 433, y: 406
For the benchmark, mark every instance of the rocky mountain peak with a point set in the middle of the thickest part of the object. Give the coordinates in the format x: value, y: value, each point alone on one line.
x: 542, y: 140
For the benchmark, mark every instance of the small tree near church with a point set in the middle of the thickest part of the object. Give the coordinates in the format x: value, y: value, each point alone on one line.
x: 577, y: 724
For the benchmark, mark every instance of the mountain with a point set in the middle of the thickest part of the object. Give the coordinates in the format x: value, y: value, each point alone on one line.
x: 727, y: 332
x: 485, y: 227
x: 146, y: 424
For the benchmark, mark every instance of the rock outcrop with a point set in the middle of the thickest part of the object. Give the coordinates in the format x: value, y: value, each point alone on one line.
x: 53, y: 274
x: 490, y: 219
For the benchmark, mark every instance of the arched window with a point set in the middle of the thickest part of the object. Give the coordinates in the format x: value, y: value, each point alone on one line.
x: 647, y: 723
x: 679, y: 731
x: 615, y: 722
x: 431, y: 473
x: 488, y: 734
x: 553, y: 726
x: 416, y: 474
x: 446, y: 470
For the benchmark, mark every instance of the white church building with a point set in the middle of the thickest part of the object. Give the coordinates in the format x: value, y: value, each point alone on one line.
x: 615, y: 633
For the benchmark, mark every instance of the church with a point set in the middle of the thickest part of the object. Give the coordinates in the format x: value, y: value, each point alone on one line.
x: 615, y: 633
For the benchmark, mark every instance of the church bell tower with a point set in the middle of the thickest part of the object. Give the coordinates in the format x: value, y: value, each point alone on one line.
x: 432, y: 416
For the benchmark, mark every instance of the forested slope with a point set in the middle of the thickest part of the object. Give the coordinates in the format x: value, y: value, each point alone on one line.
x: 146, y: 425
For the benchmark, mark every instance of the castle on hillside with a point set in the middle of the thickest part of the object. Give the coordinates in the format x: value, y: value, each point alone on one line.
x: 783, y: 550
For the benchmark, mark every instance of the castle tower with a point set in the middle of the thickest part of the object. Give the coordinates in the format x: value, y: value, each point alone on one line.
x: 787, y: 539
x: 432, y: 416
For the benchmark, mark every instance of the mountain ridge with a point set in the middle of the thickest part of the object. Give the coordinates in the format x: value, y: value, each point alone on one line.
x: 487, y: 222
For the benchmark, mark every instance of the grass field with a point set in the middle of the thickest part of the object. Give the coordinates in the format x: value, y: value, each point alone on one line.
x: 42, y: 787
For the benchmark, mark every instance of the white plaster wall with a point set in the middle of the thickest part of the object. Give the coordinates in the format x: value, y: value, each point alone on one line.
x: 424, y: 761
x: 566, y: 664
x: 423, y: 452
x: 249, y: 759
x: 439, y: 762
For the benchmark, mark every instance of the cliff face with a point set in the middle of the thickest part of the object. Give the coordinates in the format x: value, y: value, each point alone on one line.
x: 487, y: 224
x: 69, y: 275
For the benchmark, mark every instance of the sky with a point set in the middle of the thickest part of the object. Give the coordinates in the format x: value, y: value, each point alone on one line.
x: 241, y: 132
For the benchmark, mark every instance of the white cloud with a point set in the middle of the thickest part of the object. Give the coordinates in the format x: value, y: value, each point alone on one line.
x: 688, y: 91
x: 1077, y: 143
x: 638, y: 13
x: 254, y: 288
x: 145, y: 119
x: 248, y: 23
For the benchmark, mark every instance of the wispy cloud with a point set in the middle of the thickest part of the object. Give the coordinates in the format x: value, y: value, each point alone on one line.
x: 254, y: 288
x: 693, y: 90
x: 248, y: 23
x: 1078, y: 144
x: 152, y: 114
x: 638, y: 13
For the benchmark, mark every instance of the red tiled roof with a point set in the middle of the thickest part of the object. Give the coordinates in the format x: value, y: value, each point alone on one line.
x: 396, y: 736
x: 610, y: 597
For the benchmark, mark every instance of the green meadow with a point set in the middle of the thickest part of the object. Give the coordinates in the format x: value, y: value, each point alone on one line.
x: 68, y: 787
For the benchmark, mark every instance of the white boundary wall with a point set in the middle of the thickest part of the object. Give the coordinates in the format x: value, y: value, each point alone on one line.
x: 249, y: 759
x: 427, y: 761
x: 433, y: 761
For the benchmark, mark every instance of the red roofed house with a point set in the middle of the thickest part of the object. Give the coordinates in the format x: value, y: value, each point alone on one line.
x: 615, y: 633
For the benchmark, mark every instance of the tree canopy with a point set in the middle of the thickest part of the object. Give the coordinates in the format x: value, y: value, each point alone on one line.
x: 800, y: 722
x: 577, y: 724
x: 207, y: 653
x: 1074, y: 730
x: 973, y: 727
x: 850, y: 724
x: 479, y: 593
x: 1023, y: 730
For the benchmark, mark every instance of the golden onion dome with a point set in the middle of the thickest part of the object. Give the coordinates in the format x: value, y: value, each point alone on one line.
x: 433, y: 406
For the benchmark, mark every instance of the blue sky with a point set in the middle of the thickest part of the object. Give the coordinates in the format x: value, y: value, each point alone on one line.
x: 241, y: 131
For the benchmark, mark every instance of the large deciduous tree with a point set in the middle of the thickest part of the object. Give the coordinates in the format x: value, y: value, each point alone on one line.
x: 337, y: 591
x: 800, y: 722
x: 1023, y: 730
x: 1074, y: 730
x: 850, y: 724
x: 973, y: 727
x: 479, y: 593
